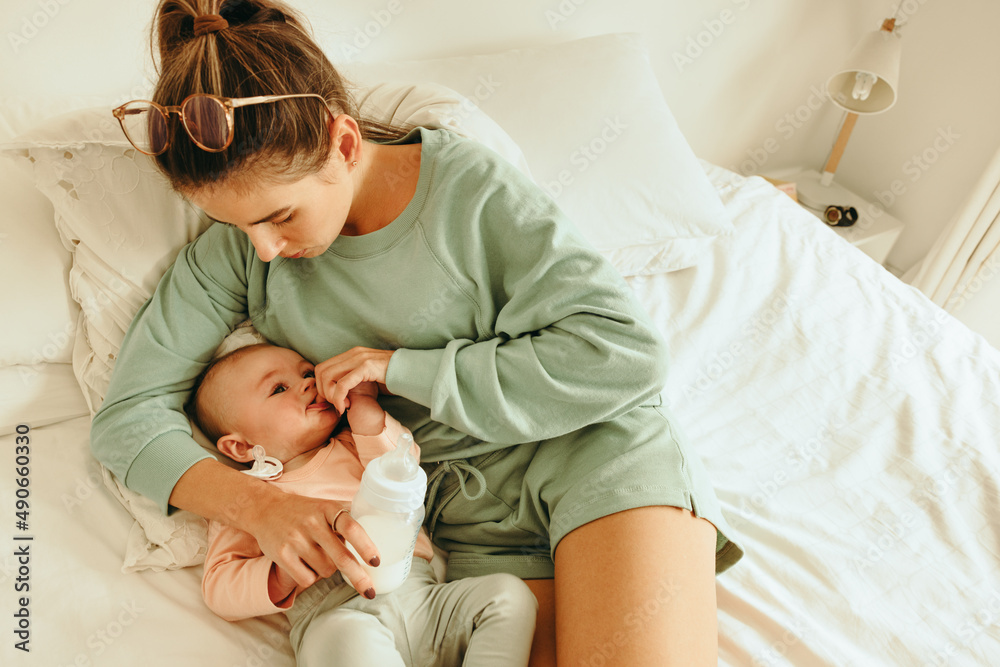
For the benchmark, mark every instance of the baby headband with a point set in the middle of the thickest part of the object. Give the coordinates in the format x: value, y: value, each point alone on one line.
x: 207, y: 23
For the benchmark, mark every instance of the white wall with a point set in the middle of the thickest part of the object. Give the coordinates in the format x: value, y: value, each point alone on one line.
x: 740, y: 75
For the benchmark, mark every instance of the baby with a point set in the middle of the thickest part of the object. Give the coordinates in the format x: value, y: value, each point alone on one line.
x: 266, y: 395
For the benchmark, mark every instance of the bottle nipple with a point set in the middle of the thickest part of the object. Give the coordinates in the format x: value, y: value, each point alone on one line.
x: 399, y: 465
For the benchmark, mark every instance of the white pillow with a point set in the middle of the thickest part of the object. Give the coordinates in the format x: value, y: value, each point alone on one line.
x: 34, y: 264
x: 599, y: 138
x: 125, y: 226
x: 431, y: 105
x: 120, y: 216
x: 34, y: 268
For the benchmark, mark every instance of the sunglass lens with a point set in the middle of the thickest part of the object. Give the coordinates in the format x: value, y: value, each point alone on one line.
x: 207, y: 122
x: 146, y: 127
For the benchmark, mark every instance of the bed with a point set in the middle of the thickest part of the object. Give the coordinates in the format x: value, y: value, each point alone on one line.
x: 848, y: 424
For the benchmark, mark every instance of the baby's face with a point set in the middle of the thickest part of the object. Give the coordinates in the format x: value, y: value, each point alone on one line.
x: 271, y: 400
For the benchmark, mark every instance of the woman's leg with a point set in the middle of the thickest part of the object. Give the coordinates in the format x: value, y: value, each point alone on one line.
x: 635, y: 588
x: 543, y: 648
x: 634, y: 575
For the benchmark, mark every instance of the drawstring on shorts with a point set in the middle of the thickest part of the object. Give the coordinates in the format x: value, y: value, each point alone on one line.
x: 459, y: 468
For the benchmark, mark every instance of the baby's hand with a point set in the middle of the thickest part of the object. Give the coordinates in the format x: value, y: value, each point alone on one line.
x: 283, y: 578
x: 280, y: 584
x: 364, y: 414
x: 364, y: 389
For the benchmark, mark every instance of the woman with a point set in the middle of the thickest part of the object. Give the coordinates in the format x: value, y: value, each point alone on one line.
x: 421, y: 261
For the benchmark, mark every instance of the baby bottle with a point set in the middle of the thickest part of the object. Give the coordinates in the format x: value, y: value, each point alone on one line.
x: 389, y: 505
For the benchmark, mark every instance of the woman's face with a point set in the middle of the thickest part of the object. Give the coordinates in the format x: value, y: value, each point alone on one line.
x: 297, y: 219
x: 300, y: 218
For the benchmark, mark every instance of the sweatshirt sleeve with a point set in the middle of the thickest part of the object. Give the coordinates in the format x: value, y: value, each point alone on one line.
x: 370, y: 447
x: 564, y: 342
x: 235, y: 581
x: 141, y: 432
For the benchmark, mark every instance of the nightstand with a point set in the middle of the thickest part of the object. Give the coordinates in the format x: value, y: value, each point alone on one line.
x: 875, y: 232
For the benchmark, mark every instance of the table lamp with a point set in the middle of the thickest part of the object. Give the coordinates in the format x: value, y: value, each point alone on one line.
x: 866, y: 85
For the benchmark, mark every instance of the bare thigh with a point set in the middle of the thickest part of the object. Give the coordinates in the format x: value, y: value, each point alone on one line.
x: 634, y: 588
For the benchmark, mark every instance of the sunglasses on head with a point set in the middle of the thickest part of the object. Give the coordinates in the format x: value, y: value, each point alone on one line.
x: 208, y: 120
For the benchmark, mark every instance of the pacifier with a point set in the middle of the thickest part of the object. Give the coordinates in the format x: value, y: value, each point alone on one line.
x: 264, y: 467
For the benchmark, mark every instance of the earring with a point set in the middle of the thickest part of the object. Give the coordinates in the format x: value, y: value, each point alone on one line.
x: 264, y: 467
x: 354, y: 164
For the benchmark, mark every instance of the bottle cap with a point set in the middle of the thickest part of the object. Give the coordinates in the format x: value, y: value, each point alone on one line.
x: 395, y: 482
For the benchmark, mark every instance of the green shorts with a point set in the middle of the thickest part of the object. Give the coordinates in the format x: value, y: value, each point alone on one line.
x: 537, y: 493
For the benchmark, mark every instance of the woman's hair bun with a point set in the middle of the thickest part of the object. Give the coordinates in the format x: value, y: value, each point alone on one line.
x: 238, y: 12
x: 178, y: 21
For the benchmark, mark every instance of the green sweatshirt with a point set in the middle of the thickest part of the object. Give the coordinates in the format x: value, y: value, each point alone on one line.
x: 507, y: 326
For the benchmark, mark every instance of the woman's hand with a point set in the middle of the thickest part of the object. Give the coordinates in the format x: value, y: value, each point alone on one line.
x: 338, y: 375
x: 297, y: 533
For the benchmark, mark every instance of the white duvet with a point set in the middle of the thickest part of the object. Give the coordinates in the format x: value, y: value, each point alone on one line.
x: 849, y: 427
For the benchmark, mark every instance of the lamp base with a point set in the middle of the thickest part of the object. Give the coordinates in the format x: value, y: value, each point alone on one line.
x: 814, y: 190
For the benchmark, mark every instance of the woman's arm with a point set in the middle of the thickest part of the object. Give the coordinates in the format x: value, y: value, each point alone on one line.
x: 142, y: 434
x: 565, y: 342
x: 295, y: 532
x: 239, y: 580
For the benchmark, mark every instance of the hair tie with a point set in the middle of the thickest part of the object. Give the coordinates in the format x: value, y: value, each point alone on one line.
x: 207, y: 23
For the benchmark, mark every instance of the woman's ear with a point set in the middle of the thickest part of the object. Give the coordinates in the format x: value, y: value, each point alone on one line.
x: 235, y: 447
x: 345, y: 133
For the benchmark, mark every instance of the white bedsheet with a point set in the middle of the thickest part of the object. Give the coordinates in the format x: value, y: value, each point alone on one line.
x: 850, y: 428
x: 848, y: 424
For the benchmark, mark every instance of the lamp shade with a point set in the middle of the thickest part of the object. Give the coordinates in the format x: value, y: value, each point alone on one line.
x: 877, y: 54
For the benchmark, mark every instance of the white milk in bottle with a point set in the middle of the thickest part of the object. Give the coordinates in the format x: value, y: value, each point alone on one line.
x: 389, y: 505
